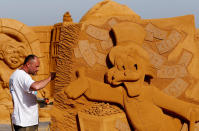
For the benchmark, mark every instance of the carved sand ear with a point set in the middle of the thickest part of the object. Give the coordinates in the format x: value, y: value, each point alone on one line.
x: 1, y: 54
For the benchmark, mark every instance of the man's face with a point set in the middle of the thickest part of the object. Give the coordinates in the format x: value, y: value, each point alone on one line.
x: 14, y: 55
x: 33, y: 66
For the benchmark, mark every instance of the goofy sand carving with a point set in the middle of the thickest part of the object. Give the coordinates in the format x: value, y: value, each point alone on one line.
x: 129, y: 85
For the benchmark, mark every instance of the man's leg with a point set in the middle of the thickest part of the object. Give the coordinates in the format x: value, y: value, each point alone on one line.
x: 29, y: 128
x: 32, y: 128
x: 19, y: 128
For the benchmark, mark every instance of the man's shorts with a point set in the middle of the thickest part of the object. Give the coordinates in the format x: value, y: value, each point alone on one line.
x: 28, y: 128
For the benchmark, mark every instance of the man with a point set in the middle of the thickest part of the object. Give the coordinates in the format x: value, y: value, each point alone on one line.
x: 23, y: 90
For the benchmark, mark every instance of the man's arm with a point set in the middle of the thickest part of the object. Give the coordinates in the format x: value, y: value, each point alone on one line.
x: 37, y: 85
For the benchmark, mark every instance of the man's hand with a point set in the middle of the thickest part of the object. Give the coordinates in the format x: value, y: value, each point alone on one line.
x: 53, y: 75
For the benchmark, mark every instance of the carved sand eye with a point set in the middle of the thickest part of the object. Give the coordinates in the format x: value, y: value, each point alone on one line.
x: 113, y: 77
x: 10, y: 49
x: 136, y: 66
x: 123, y: 67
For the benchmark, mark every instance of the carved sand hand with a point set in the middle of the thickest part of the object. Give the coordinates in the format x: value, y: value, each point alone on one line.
x: 79, y: 86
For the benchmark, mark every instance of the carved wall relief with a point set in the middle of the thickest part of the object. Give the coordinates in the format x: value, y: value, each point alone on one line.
x: 88, y: 45
x: 156, y: 59
x: 11, y: 51
x: 160, y: 44
x: 89, y: 53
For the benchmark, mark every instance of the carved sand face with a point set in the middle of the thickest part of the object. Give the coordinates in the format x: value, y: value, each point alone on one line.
x: 130, y: 65
x: 126, y: 69
x: 14, y: 54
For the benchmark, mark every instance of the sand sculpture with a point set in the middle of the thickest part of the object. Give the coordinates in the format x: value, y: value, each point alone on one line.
x: 94, y: 44
x: 87, y: 44
x: 142, y: 103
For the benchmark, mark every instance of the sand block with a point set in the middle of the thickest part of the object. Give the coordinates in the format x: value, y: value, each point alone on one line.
x: 113, y: 122
x: 185, y: 58
x: 156, y: 60
x: 97, y: 33
x: 169, y: 43
x: 101, y: 58
x: 106, y: 44
x: 173, y: 71
x: 157, y: 33
x: 176, y: 87
x: 87, y: 52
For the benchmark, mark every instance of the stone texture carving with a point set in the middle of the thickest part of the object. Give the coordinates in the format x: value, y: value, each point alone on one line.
x: 64, y: 111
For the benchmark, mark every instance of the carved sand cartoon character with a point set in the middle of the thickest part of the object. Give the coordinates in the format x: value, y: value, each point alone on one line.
x: 12, y: 54
x: 146, y: 107
x: 143, y: 103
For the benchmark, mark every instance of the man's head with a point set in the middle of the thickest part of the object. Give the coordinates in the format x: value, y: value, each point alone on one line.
x: 31, y: 64
x: 12, y: 52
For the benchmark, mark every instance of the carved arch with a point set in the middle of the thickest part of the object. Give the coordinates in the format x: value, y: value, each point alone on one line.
x: 21, y: 33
